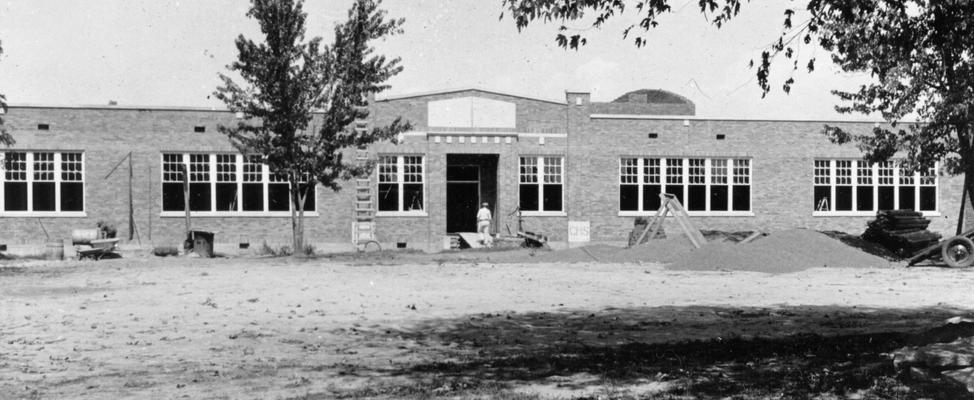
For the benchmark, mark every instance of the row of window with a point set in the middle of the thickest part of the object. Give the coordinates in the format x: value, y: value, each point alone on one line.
x: 53, y: 182
x: 225, y: 183
x: 701, y: 184
x: 43, y: 182
x: 857, y: 186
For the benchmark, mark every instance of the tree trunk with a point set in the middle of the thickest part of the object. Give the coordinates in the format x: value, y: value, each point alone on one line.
x: 297, y: 218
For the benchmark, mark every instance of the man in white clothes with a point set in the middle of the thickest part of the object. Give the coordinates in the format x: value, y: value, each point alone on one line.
x: 483, y: 225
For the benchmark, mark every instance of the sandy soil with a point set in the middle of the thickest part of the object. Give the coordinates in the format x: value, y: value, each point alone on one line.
x: 276, y: 328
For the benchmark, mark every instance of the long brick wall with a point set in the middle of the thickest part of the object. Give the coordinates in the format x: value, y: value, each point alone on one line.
x: 592, y: 143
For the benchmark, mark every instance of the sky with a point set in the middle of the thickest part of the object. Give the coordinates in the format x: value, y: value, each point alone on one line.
x: 169, y: 52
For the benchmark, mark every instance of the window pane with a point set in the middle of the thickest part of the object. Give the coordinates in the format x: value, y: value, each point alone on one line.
x: 529, y: 197
x: 172, y: 197
x: 528, y: 171
x: 822, y: 174
x: 823, y: 198
x: 15, y: 167
x: 199, y: 168
x: 388, y: 169
x: 15, y: 196
x: 886, y: 198
x: 226, y: 196
x: 629, y: 197
x: 552, y: 198
x: 651, y: 201
x: 552, y: 170
x: 696, y: 198
x: 72, y: 196
x: 742, y: 198
x: 412, y: 169
x: 651, y: 170
x: 226, y: 167
x: 412, y: 196
x: 628, y: 171
x: 676, y: 190
x: 674, y: 170
x: 928, y: 198
x: 718, y: 172
x: 843, y: 198
x: 172, y: 168
x: 199, y: 196
x: 907, y: 200
x: 278, y: 198
x: 253, y: 197
x: 742, y: 172
x: 719, y: 198
x: 864, y: 198
x: 388, y: 197
x: 44, y: 196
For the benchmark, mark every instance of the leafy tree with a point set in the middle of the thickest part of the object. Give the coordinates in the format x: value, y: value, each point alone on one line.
x: 300, y: 99
x: 919, y: 56
x: 5, y: 137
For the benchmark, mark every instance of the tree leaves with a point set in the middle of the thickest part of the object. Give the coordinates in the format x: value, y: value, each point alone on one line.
x: 300, y: 99
x: 5, y: 137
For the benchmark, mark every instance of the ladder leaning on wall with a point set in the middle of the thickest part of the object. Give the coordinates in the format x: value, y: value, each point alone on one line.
x: 363, y: 226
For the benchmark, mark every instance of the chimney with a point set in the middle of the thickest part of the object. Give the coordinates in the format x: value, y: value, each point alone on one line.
x: 578, y: 98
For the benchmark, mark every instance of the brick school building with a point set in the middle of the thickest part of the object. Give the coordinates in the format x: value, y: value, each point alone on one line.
x: 578, y: 171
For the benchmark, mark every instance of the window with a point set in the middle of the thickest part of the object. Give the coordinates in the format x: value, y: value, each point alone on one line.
x: 225, y: 183
x: 703, y: 185
x: 401, y: 184
x: 856, y: 186
x: 43, y: 183
x: 541, y: 185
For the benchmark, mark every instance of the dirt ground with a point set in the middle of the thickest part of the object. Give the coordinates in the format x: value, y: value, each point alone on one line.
x: 145, y: 327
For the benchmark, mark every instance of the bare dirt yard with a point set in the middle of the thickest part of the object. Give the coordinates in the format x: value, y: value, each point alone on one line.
x: 431, y: 326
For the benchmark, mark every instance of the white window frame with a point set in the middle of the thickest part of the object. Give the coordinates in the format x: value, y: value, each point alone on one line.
x: 29, y: 159
x: 238, y: 174
x: 400, y: 181
x: 684, y: 177
x: 539, y: 181
x: 897, y: 179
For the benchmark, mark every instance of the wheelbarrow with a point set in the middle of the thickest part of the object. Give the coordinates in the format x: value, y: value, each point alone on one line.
x: 92, y: 244
x: 957, y: 251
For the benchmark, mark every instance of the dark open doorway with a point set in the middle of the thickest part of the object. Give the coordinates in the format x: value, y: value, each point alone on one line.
x: 470, y: 180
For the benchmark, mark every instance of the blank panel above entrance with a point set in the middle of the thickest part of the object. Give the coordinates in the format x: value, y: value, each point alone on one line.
x: 471, y: 112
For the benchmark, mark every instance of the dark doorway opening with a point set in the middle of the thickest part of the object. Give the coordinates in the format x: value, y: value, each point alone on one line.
x: 471, y: 179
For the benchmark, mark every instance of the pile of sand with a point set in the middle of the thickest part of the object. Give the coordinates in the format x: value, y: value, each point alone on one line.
x: 780, y: 252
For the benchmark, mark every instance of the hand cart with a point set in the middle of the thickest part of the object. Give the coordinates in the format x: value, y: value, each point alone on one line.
x: 957, y: 251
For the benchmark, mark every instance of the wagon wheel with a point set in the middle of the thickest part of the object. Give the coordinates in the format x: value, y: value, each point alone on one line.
x: 958, y: 252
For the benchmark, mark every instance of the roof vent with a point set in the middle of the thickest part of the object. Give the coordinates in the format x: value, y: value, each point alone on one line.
x: 653, y: 135
x: 721, y: 136
x: 43, y: 127
x: 112, y: 103
x: 199, y: 129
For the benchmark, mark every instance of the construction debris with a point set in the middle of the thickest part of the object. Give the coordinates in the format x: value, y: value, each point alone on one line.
x: 901, y: 231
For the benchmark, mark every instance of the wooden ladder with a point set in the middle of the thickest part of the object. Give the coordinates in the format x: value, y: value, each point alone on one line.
x: 363, y: 227
x: 670, y: 204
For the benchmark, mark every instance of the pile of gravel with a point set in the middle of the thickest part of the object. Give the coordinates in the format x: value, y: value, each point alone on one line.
x: 780, y: 252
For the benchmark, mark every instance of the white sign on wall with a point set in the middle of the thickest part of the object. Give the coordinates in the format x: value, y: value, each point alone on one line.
x: 579, y: 231
x: 471, y: 112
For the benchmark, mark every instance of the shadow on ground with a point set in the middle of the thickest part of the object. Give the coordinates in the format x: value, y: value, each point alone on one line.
x: 688, y: 352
